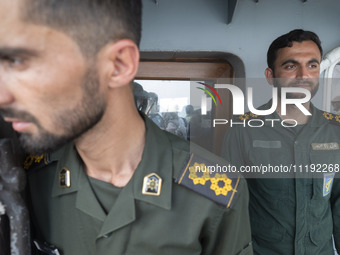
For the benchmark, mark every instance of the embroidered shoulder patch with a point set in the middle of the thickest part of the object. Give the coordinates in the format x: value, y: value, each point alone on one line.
x: 210, y: 180
x: 36, y: 161
x: 332, y: 118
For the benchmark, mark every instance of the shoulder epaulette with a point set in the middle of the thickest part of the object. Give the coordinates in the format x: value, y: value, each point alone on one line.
x: 209, y: 179
x: 332, y: 118
x: 36, y: 161
x: 247, y: 116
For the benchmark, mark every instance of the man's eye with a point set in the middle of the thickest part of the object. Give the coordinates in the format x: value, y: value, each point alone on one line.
x: 313, y: 66
x: 289, y: 67
x: 12, y: 61
x: 15, y: 61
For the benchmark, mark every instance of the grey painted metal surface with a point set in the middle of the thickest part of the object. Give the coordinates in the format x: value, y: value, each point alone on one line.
x: 200, y: 25
x: 12, y: 183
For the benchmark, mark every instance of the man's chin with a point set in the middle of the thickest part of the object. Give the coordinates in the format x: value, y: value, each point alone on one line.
x: 295, y: 96
x: 39, y: 145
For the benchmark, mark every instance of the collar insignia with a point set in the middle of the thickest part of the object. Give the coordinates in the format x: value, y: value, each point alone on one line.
x: 64, y: 178
x: 152, y: 185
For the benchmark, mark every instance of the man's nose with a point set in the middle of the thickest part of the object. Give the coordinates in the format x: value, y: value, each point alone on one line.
x: 6, y: 96
x: 303, y: 72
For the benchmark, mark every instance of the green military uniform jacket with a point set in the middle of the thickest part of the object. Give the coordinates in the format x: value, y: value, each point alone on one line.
x: 178, y: 221
x: 291, y: 215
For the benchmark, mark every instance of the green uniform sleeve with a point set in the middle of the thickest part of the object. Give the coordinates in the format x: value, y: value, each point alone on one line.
x: 335, y: 203
x: 230, y: 233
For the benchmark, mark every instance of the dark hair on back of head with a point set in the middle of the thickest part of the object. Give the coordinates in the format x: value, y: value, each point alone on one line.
x: 286, y: 40
x: 91, y: 23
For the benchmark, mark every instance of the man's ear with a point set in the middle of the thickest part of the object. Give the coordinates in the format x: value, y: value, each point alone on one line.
x: 269, y: 73
x: 118, y: 62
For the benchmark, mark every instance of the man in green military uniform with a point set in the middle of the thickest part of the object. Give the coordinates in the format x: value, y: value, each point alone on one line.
x: 112, y: 182
x: 296, y: 211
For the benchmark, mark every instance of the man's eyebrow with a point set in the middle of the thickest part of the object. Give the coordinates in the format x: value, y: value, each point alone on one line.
x: 289, y: 61
x: 314, y: 60
x: 293, y: 61
x: 17, y: 52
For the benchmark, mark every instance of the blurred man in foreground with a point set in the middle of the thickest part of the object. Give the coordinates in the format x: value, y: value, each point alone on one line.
x: 112, y: 182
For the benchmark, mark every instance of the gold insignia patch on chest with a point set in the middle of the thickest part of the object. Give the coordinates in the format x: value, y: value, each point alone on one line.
x: 152, y: 185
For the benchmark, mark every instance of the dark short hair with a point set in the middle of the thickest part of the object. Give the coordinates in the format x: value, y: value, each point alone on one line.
x: 91, y: 23
x: 286, y: 40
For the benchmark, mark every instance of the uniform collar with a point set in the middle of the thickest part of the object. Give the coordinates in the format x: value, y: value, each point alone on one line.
x: 157, y: 158
x: 67, y: 157
x: 317, y: 119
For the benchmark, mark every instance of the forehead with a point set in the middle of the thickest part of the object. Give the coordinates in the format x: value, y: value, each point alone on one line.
x: 305, y: 50
x: 15, y: 32
x: 11, y: 10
